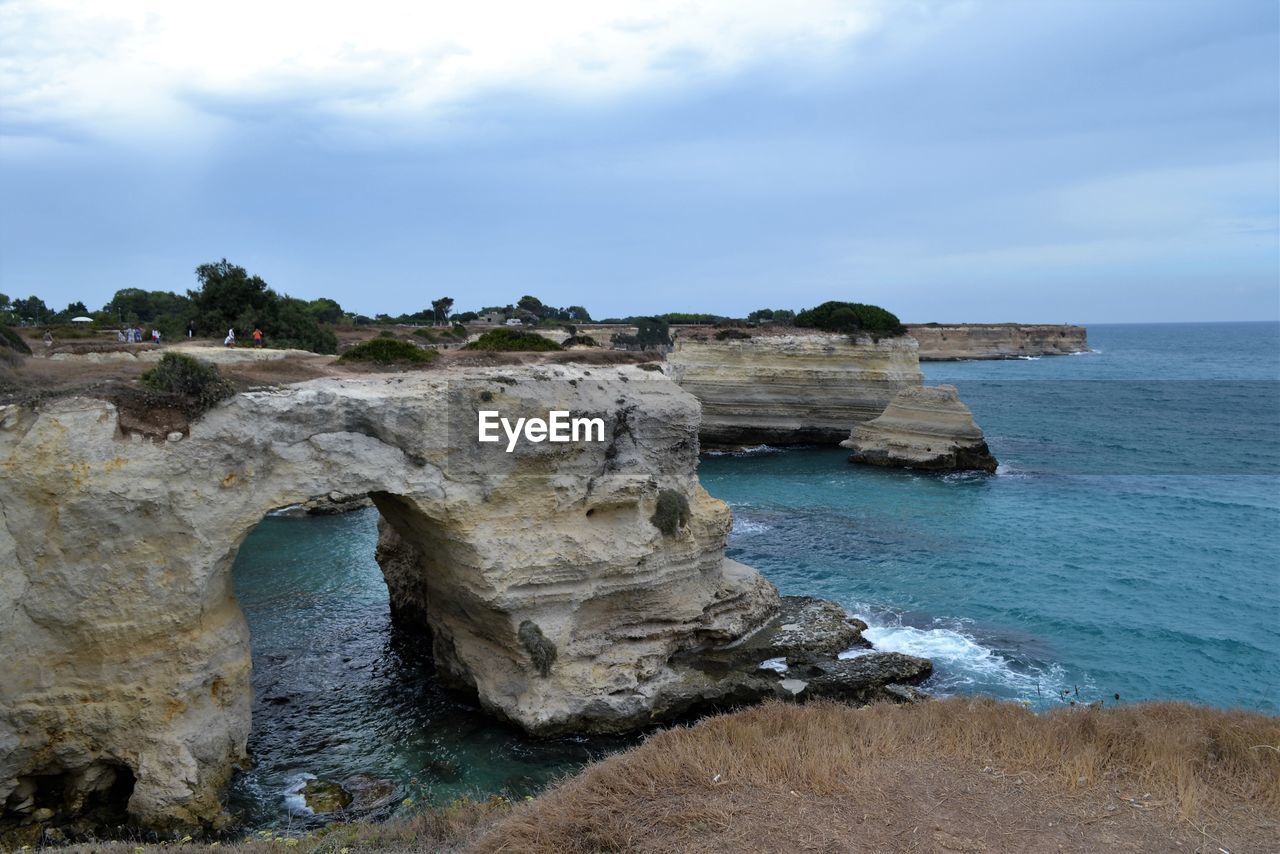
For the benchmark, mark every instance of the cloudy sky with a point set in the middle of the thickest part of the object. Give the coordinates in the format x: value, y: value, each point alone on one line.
x: 961, y: 161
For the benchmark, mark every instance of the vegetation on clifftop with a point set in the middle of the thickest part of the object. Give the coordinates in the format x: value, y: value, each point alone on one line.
x: 508, y: 340
x: 198, y: 381
x: 852, y: 318
x: 388, y: 351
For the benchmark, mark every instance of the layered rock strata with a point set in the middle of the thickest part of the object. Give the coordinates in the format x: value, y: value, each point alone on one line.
x: 923, y: 428
x: 789, y: 388
x: 952, y: 342
x: 548, y: 589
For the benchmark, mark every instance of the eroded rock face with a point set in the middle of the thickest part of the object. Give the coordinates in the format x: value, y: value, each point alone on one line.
x: 125, y: 648
x: 923, y: 428
x: 951, y: 342
x: 789, y: 389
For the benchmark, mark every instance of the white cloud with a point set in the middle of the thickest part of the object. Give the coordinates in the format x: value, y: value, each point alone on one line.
x: 118, y: 67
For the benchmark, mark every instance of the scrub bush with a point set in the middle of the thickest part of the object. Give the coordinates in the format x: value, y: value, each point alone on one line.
x: 183, y: 375
x: 388, y: 351
x: 672, y: 512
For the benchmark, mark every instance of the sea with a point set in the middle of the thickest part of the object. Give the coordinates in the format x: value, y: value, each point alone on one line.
x: 1127, y: 549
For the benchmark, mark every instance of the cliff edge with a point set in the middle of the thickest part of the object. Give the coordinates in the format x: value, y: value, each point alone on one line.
x: 789, y: 388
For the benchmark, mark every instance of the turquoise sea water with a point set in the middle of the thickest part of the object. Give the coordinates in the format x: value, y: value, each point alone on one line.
x: 1128, y: 545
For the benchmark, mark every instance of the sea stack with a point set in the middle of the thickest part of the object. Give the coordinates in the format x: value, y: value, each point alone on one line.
x: 926, y: 428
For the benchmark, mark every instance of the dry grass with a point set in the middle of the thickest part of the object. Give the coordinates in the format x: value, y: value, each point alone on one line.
x: 434, y: 830
x: 951, y: 775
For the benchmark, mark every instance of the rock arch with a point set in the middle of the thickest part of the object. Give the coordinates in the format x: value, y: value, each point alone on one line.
x: 126, y: 648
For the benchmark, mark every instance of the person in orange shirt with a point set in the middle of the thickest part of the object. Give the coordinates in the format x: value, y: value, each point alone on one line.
x: 257, y: 337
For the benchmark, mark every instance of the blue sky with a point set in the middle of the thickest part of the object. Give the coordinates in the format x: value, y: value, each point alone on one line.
x: 952, y: 161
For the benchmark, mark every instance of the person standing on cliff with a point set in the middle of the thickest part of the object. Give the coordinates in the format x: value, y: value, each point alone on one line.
x: 191, y: 330
x: 230, y: 340
x: 257, y: 337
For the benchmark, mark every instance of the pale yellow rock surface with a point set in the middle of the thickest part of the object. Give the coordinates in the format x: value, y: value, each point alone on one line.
x: 923, y: 428
x: 124, y: 647
x: 790, y: 388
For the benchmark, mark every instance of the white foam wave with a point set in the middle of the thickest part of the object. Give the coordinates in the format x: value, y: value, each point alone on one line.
x: 294, y: 802
x: 777, y: 664
x: 963, y: 661
x: 748, y: 451
x: 748, y: 526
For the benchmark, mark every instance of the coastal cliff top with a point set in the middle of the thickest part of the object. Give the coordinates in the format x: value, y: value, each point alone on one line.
x: 110, y: 371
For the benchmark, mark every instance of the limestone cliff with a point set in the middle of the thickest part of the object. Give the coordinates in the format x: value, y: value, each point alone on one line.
x: 952, y: 342
x: 923, y: 428
x: 789, y: 387
x: 547, y: 586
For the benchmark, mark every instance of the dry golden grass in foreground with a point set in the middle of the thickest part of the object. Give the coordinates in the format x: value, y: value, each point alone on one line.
x: 954, y: 775
x: 441, y: 829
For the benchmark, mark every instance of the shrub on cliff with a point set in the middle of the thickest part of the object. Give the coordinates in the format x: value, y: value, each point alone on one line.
x: 199, y: 381
x: 541, y: 650
x: 672, y: 512
x: 512, y: 340
x: 851, y: 317
x: 388, y: 351
x: 580, y: 341
x: 732, y: 334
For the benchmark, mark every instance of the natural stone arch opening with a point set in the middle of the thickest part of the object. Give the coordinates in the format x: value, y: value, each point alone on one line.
x: 335, y: 662
x: 138, y: 653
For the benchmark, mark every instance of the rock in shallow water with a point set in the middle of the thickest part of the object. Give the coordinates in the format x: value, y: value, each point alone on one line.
x: 325, y: 796
x: 808, y: 634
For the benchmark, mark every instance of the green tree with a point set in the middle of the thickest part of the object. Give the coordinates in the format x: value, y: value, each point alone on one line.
x: 32, y: 309
x: 440, y: 308
x: 531, y: 304
x: 325, y: 310
x: 225, y: 294
x: 851, y: 317
x: 228, y: 297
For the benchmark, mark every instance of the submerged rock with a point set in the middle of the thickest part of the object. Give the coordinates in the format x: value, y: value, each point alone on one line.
x: 325, y: 796
x: 368, y: 792
x: 923, y: 428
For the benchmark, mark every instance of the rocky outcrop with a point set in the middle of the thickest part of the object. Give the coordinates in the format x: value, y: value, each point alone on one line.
x: 952, y: 342
x: 547, y: 589
x: 923, y: 428
x: 789, y: 387
x: 796, y: 657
